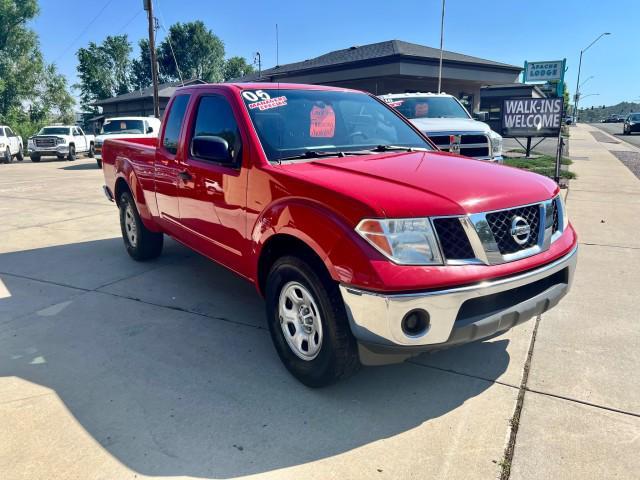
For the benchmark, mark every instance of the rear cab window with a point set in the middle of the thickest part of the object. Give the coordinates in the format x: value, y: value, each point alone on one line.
x: 174, y: 123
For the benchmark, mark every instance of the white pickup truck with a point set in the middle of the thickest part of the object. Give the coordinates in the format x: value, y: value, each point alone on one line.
x: 10, y: 145
x: 126, y: 127
x: 448, y: 124
x: 61, y: 141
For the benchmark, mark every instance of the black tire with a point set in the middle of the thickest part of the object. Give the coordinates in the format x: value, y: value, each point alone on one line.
x: 92, y: 151
x: 337, y: 357
x: 7, y: 157
x: 146, y: 244
x: 72, y: 153
x: 35, y: 158
x: 20, y: 154
x: 99, y: 162
x: 60, y: 157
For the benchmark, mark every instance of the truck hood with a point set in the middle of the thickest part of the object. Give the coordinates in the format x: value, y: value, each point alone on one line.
x: 418, y: 184
x: 437, y: 125
x: 102, y: 138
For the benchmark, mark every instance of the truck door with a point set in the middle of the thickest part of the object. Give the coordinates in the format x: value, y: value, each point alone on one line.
x: 166, y: 166
x: 79, y: 140
x: 213, y: 193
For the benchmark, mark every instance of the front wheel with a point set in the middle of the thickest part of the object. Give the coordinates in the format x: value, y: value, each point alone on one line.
x: 20, y: 154
x: 7, y: 156
x: 140, y: 242
x: 92, y: 151
x: 308, y: 322
x: 99, y: 162
x: 72, y: 153
x: 35, y: 158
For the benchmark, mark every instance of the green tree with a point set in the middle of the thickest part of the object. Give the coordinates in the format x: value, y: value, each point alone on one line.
x: 236, y: 67
x: 104, y: 70
x: 31, y: 92
x: 199, y: 53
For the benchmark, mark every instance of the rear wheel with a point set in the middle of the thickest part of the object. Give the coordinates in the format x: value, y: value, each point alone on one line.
x: 308, y: 322
x: 35, y: 158
x: 140, y: 242
x: 92, y: 151
x: 72, y: 153
x: 20, y: 154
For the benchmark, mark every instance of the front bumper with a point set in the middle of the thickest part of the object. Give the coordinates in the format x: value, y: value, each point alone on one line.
x: 457, y: 315
x: 59, y: 150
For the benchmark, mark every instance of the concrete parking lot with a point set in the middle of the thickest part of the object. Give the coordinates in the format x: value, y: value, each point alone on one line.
x: 115, y: 369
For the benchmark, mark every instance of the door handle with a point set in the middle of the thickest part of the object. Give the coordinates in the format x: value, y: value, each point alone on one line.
x: 185, y: 176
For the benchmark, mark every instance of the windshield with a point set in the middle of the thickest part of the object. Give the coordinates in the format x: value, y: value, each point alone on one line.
x: 111, y: 127
x: 54, y: 131
x: 635, y: 117
x: 296, y: 122
x: 428, y: 107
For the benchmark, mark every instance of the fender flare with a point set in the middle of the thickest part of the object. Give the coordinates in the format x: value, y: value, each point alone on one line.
x: 346, y: 256
x: 126, y: 173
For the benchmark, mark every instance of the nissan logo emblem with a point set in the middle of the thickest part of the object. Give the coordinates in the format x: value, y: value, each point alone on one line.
x: 520, y: 230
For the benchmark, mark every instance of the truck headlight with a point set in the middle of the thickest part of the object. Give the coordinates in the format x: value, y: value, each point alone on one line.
x: 496, y: 143
x: 407, y: 241
x: 60, y: 141
x: 563, y: 212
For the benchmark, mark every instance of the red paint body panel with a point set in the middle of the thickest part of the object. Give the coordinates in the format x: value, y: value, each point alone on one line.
x: 228, y: 214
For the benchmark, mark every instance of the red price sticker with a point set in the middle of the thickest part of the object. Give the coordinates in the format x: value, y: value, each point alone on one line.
x: 323, y: 122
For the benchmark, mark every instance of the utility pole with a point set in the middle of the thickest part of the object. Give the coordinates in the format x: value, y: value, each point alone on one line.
x: 441, y: 46
x: 576, y: 97
x: 148, y: 6
x: 257, y: 59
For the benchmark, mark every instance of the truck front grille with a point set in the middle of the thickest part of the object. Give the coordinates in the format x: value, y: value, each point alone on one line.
x: 489, y: 237
x: 45, y: 142
x: 475, y: 145
x: 500, y: 224
x: 453, y: 239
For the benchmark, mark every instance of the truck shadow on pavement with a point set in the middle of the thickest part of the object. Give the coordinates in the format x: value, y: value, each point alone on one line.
x: 196, y: 388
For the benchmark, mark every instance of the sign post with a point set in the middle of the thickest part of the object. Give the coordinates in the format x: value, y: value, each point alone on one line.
x: 548, y: 71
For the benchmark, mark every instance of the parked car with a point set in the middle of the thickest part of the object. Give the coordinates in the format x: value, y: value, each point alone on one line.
x: 448, y: 124
x: 615, y: 118
x: 126, y: 127
x: 631, y: 124
x: 61, y: 141
x: 10, y: 145
x: 368, y: 245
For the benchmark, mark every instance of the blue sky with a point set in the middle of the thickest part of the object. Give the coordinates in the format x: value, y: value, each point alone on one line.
x: 509, y: 31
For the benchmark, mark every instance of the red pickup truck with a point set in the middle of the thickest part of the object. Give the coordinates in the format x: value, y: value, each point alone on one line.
x: 368, y: 245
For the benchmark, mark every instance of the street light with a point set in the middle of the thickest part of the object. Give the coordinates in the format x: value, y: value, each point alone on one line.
x: 588, y: 78
x: 577, y: 95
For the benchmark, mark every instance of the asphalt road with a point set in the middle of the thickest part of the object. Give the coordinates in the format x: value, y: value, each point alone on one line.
x: 616, y: 129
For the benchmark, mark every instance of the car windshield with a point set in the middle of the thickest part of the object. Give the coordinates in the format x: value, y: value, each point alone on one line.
x: 54, y: 131
x: 635, y: 118
x: 321, y: 123
x: 428, y: 107
x: 112, y: 127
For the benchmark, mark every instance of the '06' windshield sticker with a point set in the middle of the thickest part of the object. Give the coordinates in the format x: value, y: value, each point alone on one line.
x: 270, y: 103
x: 394, y: 103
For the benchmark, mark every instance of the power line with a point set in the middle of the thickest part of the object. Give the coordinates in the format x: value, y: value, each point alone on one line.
x: 83, y: 31
x: 168, y: 37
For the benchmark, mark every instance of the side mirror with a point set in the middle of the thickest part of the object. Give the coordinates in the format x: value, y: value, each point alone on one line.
x: 149, y: 129
x: 211, y: 148
x: 481, y: 116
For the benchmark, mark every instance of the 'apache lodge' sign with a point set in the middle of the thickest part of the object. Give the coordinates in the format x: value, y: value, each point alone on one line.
x: 532, y: 117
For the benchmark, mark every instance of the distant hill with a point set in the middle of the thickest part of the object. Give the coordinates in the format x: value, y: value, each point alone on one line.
x: 597, y: 113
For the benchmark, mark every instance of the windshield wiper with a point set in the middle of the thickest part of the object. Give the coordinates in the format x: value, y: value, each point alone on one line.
x: 391, y: 148
x: 320, y: 154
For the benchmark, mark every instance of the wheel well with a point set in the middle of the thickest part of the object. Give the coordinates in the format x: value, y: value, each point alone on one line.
x: 280, y: 245
x: 121, y: 186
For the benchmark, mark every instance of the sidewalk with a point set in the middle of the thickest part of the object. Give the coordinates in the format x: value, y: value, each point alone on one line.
x: 581, y: 413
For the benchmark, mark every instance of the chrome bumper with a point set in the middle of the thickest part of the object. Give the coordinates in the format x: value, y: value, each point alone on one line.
x: 375, y: 318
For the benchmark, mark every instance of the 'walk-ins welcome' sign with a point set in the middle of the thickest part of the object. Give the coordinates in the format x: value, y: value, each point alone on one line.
x: 532, y: 117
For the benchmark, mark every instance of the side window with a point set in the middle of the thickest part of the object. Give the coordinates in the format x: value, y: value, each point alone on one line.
x: 76, y: 132
x: 80, y: 132
x: 174, y: 123
x: 9, y: 132
x: 215, y: 118
x: 1, y: 132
